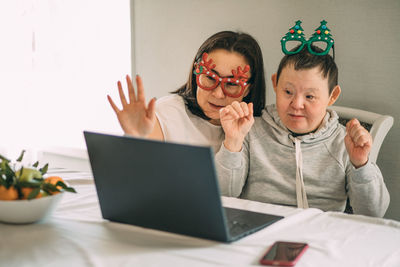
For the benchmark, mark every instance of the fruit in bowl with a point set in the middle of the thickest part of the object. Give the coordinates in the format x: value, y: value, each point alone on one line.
x: 27, y: 194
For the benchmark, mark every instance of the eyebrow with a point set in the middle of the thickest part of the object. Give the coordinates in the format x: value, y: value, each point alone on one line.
x: 216, y: 72
x: 308, y: 89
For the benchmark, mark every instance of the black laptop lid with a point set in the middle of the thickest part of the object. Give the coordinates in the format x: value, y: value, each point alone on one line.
x: 157, y: 185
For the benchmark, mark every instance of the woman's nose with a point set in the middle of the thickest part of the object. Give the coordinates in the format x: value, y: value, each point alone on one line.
x: 218, y: 93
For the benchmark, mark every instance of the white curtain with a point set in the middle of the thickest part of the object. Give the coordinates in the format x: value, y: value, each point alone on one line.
x: 58, y: 60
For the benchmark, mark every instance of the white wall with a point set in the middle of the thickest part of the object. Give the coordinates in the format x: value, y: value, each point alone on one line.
x: 167, y: 35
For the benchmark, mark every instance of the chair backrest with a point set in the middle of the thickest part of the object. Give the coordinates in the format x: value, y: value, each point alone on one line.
x: 378, y: 125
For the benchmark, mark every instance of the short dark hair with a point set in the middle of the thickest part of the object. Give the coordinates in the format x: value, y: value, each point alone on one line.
x: 305, y: 60
x: 243, y: 44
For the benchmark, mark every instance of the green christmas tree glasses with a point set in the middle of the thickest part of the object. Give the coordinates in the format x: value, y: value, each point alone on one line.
x: 296, y: 34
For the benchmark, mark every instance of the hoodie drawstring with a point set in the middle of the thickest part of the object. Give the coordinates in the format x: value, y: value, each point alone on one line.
x: 300, y: 189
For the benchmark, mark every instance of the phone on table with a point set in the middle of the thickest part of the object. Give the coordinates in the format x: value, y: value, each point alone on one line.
x: 283, y: 253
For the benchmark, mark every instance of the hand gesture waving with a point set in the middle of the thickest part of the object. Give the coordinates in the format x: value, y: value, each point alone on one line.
x: 135, y: 118
x: 236, y: 120
x: 358, y: 143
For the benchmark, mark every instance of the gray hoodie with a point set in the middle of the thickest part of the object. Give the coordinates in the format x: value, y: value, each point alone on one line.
x: 312, y: 170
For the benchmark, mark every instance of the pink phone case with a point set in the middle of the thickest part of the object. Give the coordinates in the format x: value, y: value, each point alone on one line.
x: 284, y: 245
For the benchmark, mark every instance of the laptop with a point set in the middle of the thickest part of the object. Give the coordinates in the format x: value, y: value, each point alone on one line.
x: 165, y: 186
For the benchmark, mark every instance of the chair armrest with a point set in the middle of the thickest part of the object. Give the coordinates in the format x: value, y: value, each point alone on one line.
x: 381, y: 125
x: 379, y: 130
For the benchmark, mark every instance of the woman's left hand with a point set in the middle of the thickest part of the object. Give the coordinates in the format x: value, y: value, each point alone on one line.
x: 236, y: 120
x: 358, y: 143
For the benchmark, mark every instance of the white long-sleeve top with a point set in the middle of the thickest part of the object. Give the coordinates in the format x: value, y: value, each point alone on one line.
x: 181, y: 126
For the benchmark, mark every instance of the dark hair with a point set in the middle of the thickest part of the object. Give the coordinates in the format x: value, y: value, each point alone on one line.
x: 305, y: 60
x: 243, y: 44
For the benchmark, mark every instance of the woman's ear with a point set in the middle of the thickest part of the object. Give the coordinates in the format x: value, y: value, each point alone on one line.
x: 274, y: 81
x: 334, y: 95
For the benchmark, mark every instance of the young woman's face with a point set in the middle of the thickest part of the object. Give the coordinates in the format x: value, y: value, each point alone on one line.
x: 212, y: 101
x: 302, y: 97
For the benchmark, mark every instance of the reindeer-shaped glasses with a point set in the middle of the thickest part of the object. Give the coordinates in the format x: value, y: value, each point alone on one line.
x: 207, y: 79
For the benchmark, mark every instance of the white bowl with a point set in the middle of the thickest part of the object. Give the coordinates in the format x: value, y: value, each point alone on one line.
x: 28, y: 211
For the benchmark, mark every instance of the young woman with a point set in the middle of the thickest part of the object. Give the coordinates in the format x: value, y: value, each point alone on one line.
x: 228, y: 67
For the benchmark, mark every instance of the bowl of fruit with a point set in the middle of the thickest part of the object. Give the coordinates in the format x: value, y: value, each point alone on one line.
x: 27, y: 194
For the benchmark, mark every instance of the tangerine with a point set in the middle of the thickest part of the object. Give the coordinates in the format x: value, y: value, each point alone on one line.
x: 27, y: 190
x: 54, y: 180
x: 8, y: 194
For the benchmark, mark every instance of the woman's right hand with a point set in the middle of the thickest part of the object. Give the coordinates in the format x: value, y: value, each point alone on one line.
x: 135, y: 118
x: 236, y: 120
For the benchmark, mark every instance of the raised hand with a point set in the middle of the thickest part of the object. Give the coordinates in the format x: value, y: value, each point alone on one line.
x: 135, y: 118
x: 358, y: 143
x: 236, y: 120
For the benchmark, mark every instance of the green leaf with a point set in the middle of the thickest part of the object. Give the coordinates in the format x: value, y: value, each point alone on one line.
x: 4, y: 158
x: 19, y: 159
x: 65, y: 187
x: 9, y: 181
x: 36, y: 164
x: 34, y: 193
x: 39, y: 179
x: 3, y: 182
x: 44, y: 169
x: 10, y: 175
x: 50, y: 187
x: 60, y: 183
x: 28, y: 184
x: 70, y: 189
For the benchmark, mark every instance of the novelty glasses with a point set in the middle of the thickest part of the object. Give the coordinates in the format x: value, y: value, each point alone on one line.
x: 321, y: 38
x: 207, y: 79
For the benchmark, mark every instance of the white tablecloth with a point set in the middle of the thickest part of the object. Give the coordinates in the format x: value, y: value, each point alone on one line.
x: 76, y: 235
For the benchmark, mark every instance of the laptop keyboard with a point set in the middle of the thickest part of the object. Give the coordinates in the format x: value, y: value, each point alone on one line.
x: 244, y: 222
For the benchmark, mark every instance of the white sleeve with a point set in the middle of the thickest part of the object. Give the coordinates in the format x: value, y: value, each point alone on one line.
x: 232, y: 169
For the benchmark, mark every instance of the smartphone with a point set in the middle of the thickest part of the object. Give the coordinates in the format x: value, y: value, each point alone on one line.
x: 283, y: 253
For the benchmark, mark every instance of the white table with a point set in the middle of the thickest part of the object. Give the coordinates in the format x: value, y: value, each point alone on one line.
x: 76, y: 235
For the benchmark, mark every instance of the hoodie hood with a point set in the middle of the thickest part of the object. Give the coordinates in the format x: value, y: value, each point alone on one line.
x: 328, y: 126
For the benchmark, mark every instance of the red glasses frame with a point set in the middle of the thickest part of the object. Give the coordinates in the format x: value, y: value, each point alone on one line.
x: 239, y: 76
